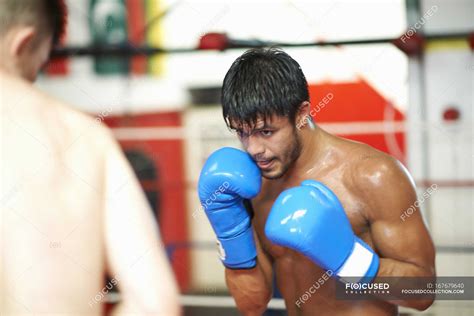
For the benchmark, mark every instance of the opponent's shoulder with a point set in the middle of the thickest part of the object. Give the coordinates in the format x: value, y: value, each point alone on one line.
x: 80, y: 125
x: 81, y: 131
x: 22, y: 95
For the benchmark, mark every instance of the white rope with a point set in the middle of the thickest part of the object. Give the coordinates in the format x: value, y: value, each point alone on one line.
x: 178, y: 132
x: 224, y: 301
x: 279, y: 304
x: 207, y: 301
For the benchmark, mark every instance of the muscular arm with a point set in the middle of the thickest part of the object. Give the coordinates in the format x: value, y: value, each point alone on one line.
x: 403, y: 243
x: 252, y: 288
x: 135, y: 253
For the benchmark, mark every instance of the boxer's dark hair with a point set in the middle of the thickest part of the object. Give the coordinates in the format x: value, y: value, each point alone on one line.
x: 261, y: 83
x: 48, y: 16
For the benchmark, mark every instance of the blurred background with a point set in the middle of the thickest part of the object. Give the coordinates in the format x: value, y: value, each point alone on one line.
x: 398, y: 74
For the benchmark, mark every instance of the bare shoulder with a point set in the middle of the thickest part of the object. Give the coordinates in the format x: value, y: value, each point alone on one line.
x: 79, y: 128
x: 77, y: 119
x: 73, y: 128
x: 380, y: 179
x: 371, y: 167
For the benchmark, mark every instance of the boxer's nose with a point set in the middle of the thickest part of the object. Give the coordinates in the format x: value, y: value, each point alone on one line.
x: 254, y: 146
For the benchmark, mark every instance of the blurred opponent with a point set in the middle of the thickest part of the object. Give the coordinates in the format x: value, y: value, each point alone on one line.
x: 71, y: 207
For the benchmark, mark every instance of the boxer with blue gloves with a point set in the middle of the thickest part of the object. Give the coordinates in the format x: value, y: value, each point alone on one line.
x: 326, y: 210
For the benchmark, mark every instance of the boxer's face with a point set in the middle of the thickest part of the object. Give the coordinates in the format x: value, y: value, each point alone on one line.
x: 273, y: 143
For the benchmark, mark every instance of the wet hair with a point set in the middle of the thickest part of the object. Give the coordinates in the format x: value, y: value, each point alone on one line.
x: 260, y: 83
x: 47, y: 16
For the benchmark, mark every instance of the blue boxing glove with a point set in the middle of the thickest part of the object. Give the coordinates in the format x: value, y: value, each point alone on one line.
x: 228, y: 177
x: 311, y: 220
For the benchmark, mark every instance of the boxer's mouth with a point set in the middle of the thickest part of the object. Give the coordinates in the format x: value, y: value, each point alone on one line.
x: 265, y: 164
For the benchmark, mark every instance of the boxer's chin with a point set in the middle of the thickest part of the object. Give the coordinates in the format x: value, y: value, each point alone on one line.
x: 276, y: 172
x: 271, y: 175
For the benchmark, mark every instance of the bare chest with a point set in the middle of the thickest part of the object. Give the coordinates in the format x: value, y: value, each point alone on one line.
x: 354, y: 206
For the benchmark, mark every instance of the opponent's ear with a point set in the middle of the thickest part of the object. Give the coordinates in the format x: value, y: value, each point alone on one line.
x: 304, y: 113
x: 22, y: 39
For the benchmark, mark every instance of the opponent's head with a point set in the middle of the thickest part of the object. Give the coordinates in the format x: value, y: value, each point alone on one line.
x: 28, y: 31
x: 264, y: 95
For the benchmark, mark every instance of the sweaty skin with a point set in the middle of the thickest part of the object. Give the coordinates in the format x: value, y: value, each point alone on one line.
x: 72, y: 210
x: 374, y: 189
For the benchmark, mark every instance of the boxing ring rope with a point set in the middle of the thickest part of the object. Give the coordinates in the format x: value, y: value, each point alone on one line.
x: 206, y: 301
x: 220, y: 42
x: 275, y: 304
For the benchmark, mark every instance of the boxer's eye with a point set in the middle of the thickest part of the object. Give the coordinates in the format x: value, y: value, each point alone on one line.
x: 240, y: 134
x: 266, y: 133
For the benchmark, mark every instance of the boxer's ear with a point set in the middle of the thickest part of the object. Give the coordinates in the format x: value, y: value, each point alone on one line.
x: 303, y: 114
x: 22, y: 40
